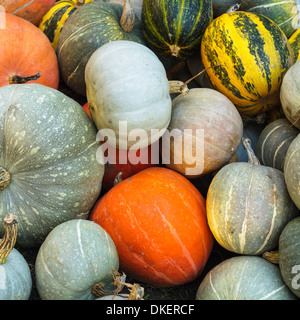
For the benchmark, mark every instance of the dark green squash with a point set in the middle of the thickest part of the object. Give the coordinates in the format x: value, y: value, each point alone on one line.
x: 222, y: 6
x: 175, y: 27
x: 248, y: 206
x: 294, y: 41
x: 274, y: 142
x: 87, y: 29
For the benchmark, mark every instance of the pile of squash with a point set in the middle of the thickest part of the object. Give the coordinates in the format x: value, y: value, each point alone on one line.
x: 135, y: 136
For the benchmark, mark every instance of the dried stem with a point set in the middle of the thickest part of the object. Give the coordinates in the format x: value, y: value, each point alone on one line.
x: 10, y: 237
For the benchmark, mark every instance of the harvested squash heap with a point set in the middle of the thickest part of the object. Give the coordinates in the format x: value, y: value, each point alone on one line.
x: 220, y: 223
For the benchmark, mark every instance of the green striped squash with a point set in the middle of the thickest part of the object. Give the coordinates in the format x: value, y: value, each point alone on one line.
x: 294, y: 41
x: 284, y: 13
x: 175, y: 27
x: 54, y: 19
x: 253, y: 55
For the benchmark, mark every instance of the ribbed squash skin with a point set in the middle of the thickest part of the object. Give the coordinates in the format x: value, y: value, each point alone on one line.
x: 54, y: 19
x: 175, y: 27
x: 254, y: 55
x: 294, y: 41
x: 284, y: 13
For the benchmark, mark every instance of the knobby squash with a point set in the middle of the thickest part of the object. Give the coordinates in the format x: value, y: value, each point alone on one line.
x: 253, y: 54
x: 248, y: 205
x: 26, y: 54
x: 244, y: 278
x: 54, y: 19
x: 75, y: 262
x: 16, y: 281
x: 49, y: 171
x: 86, y: 30
x: 175, y: 27
x: 157, y: 220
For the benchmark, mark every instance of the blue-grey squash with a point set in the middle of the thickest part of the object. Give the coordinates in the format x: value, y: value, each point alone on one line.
x: 75, y: 262
x: 244, y: 278
x: 15, y: 275
x: 50, y: 162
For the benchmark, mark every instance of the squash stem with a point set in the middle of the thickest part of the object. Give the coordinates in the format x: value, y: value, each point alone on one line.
x: 272, y: 256
x: 15, y: 79
x: 251, y: 155
x: 4, y: 178
x: 8, y: 241
x: 128, y: 17
x: 98, y: 290
x: 118, y: 178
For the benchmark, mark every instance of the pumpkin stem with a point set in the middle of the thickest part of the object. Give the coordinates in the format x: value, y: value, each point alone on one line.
x: 251, y: 155
x: 8, y: 241
x: 118, y: 178
x: 98, y: 290
x: 233, y: 8
x: 15, y: 79
x: 128, y: 17
x: 272, y: 256
x: 4, y: 178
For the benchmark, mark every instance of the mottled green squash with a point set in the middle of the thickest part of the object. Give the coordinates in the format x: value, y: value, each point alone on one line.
x: 294, y: 41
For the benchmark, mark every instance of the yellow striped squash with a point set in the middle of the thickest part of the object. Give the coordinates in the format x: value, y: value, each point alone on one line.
x: 54, y: 19
x: 253, y: 55
x: 175, y: 27
x: 294, y: 41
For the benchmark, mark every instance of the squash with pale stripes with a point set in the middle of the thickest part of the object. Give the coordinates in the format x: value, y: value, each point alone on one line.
x: 294, y: 41
x: 54, y: 19
x: 175, y: 27
x: 253, y: 55
x: 284, y: 13
x: 248, y: 206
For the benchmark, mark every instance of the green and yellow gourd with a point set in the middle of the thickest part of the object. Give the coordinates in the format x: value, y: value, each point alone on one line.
x: 284, y: 13
x: 253, y: 54
x: 294, y: 41
x: 54, y: 19
x: 175, y: 28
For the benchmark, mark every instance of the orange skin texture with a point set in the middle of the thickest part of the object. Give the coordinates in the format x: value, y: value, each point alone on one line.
x: 26, y: 50
x: 123, y: 163
x: 157, y: 220
x: 33, y: 11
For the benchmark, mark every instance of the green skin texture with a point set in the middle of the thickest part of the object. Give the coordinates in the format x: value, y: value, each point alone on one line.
x: 74, y: 256
x: 15, y: 278
x: 48, y: 145
x: 289, y: 255
x: 244, y: 278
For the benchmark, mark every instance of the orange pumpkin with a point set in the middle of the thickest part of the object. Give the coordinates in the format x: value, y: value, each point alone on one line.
x: 26, y: 54
x: 157, y: 220
x: 31, y: 10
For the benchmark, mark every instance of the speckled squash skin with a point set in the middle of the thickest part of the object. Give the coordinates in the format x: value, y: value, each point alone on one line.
x: 48, y: 146
x: 86, y: 30
x: 75, y: 255
x: 244, y: 278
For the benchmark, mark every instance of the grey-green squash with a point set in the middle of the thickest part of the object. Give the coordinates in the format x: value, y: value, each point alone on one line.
x: 15, y: 275
x: 248, y: 205
x: 51, y: 164
x: 291, y: 170
x: 75, y: 262
x: 274, y: 142
x: 86, y: 30
x: 244, y: 278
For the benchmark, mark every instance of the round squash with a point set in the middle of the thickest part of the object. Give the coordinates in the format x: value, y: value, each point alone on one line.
x: 274, y: 142
x: 132, y: 93
x: 175, y: 27
x: 207, y: 131
x: 289, y: 255
x: 294, y: 41
x: 252, y: 54
x: 48, y: 148
x: 86, y: 30
x: 54, y: 19
x: 291, y: 170
x: 284, y: 13
x: 15, y: 278
x: 30, y: 10
x: 248, y: 206
x: 75, y: 262
x: 26, y: 54
x: 290, y: 95
x: 157, y: 220
x: 244, y: 278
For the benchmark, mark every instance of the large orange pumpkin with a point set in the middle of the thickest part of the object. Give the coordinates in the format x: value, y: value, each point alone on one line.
x: 157, y: 220
x: 31, y: 10
x: 26, y: 54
